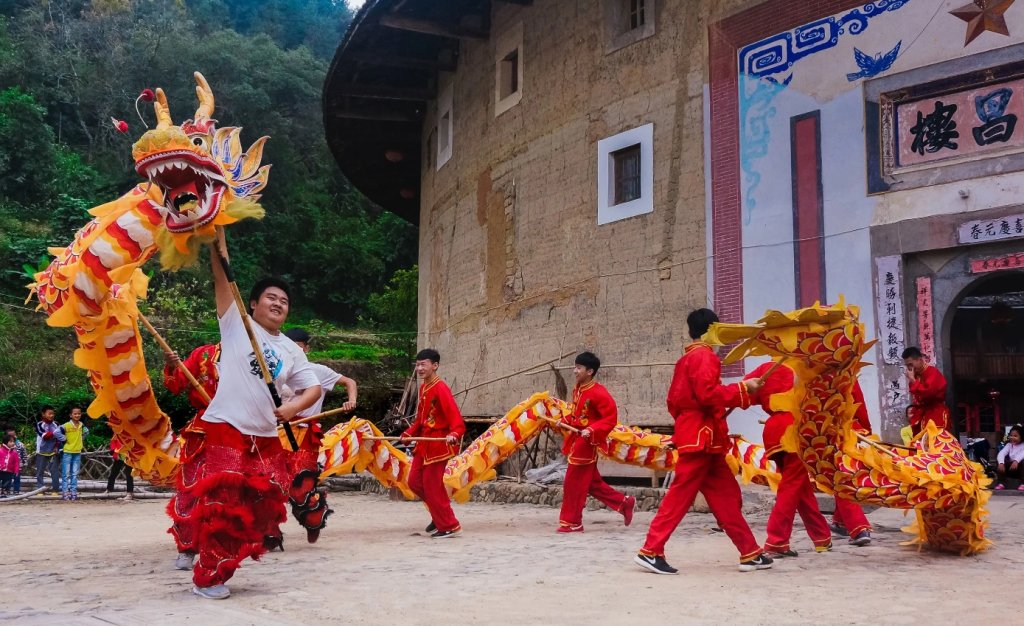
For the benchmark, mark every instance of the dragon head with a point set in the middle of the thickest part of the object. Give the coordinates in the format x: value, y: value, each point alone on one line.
x: 203, y: 177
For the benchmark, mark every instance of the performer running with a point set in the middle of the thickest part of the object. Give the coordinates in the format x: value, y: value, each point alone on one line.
x: 202, y: 364
x: 698, y: 400
x: 848, y: 517
x: 796, y: 492
x: 594, y: 414
x: 309, y: 504
x: 438, y: 416
x: 240, y: 468
x: 928, y: 389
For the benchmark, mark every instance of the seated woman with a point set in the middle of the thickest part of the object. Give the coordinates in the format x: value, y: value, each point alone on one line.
x: 1011, y: 458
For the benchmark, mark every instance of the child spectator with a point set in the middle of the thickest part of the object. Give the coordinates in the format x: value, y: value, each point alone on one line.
x: 49, y: 441
x: 23, y: 457
x: 74, y: 435
x: 119, y: 464
x: 1011, y: 458
x: 10, y: 464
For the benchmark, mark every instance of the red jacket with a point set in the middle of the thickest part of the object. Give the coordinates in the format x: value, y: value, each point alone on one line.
x: 929, y: 393
x: 437, y: 415
x: 697, y: 400
x: 861, y: 422
x: 780, y: 381
x: 202, y: 363
x: 594, y: 408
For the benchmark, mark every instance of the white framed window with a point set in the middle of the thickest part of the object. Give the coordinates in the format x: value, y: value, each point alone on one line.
x: 627, y: 21
x: 445, y: 125
x: 508, y: 69
x: 625, y: 174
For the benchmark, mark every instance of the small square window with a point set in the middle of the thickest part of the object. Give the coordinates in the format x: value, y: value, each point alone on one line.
x: 626, y: 167
x: 625, y: 174
x: 508, y: 71
x: 637, y: 8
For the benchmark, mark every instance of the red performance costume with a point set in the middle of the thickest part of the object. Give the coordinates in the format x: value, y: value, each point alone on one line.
x: 202, y: 364
x: 437, y: 415
x: 796, y: 492
x: 594, y: 409
x: 234, y: 470
x: 929, y: 393
x: 698, y: 400
x: 848, y: 513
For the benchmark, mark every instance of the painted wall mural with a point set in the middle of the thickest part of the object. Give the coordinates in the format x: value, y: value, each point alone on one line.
x: 873, y: 65
x: 766, y: 69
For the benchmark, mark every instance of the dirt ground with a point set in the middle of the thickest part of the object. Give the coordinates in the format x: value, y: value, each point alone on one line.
x: 109, y: 562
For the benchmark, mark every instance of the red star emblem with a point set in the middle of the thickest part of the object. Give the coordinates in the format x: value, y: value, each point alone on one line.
x: 983, y: 15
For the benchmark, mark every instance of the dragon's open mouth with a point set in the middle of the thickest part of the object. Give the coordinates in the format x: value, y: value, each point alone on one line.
x: 192, y: 186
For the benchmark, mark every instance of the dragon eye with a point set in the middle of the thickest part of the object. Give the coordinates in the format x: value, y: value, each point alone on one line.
x: 197, y: 141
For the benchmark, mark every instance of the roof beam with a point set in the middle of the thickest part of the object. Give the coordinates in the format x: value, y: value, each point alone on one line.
x: 414, y: 63
x: 430, y: 27
x: 386, y: 92
x: 375, y: 116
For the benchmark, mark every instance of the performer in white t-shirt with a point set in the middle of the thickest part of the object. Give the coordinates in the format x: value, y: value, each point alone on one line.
x: 240, y: 473
x: 309, y: 503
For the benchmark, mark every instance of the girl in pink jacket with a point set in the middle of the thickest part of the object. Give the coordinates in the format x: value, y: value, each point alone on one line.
x: 10, y: 464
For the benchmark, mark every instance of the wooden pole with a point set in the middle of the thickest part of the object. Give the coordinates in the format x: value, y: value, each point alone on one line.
x: 313, y: 418
x: 771, y: 370
x: 880, y: 445
x: 181, y: 366
x: 516, y: 373
x: 243, y: 312
x: 406, y: 439
x: 560, y: 424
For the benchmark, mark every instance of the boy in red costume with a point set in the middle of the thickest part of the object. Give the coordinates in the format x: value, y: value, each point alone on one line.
x: 594, y: 415
x: 438, y: 416
x: 848, y: 517
x: 309, y: 502
x: 796, y: 492
x: 928, y: 389
x: 698, y: 401
x: 202, y: 364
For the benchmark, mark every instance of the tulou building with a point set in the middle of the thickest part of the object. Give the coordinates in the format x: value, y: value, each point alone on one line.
x: 583, y: 173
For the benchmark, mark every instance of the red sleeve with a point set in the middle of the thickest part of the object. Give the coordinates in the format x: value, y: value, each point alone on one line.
x: 708, y: 387
x: 175, y: 380
x: 677, y: 388
x: 608, y: 412
x: 452, y: 415
x: 860, y: 418
x: 929, y: 387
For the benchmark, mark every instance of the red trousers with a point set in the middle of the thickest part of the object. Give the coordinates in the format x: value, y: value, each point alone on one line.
x: 427, y: 482
x: 849, y: 515
x: 795, y: 495
x: 581, y: 481
x: 710, y: 475
x: 234, y: 485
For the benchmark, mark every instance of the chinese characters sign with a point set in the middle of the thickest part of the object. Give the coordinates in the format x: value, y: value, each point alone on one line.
x: 982, y: 231
x: 961, y: 124
x: 890, y: 308
x: 925, y: 320
x: 1008, y: 262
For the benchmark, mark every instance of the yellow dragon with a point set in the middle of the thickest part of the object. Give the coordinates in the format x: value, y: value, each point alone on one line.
x: 198, y: 178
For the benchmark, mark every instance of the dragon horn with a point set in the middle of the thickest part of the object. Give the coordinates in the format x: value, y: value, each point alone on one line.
x: 205, y: 96
x: 163, y: 112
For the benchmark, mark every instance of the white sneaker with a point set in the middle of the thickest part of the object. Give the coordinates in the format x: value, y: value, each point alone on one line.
x: 184, y: 561
x: 216, y: 592
x: 127, y: 498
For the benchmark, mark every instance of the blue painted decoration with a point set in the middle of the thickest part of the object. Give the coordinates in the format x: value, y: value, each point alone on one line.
x: 873, y: 65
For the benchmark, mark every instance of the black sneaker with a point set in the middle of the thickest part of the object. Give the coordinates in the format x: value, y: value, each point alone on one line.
x: 779, y: 554
x: 763, y: 561
x: 445, y: 534
x: 656, y: 564
x: 862, y: 539
x: 431, y: 528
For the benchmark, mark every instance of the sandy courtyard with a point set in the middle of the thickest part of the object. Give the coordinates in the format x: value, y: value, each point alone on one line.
x: 108, y: 562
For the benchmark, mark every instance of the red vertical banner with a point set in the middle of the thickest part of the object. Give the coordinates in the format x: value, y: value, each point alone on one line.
x: 925, y: 319
x: 808, y: 209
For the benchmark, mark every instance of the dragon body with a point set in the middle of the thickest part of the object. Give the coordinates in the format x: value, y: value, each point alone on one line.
x: 199, y: 178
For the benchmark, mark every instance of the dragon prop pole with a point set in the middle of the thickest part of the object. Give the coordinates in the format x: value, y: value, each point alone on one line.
x: 313, y: 418
x: 181, y: 366
x: 221, y: 247
x: 762, y: 378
